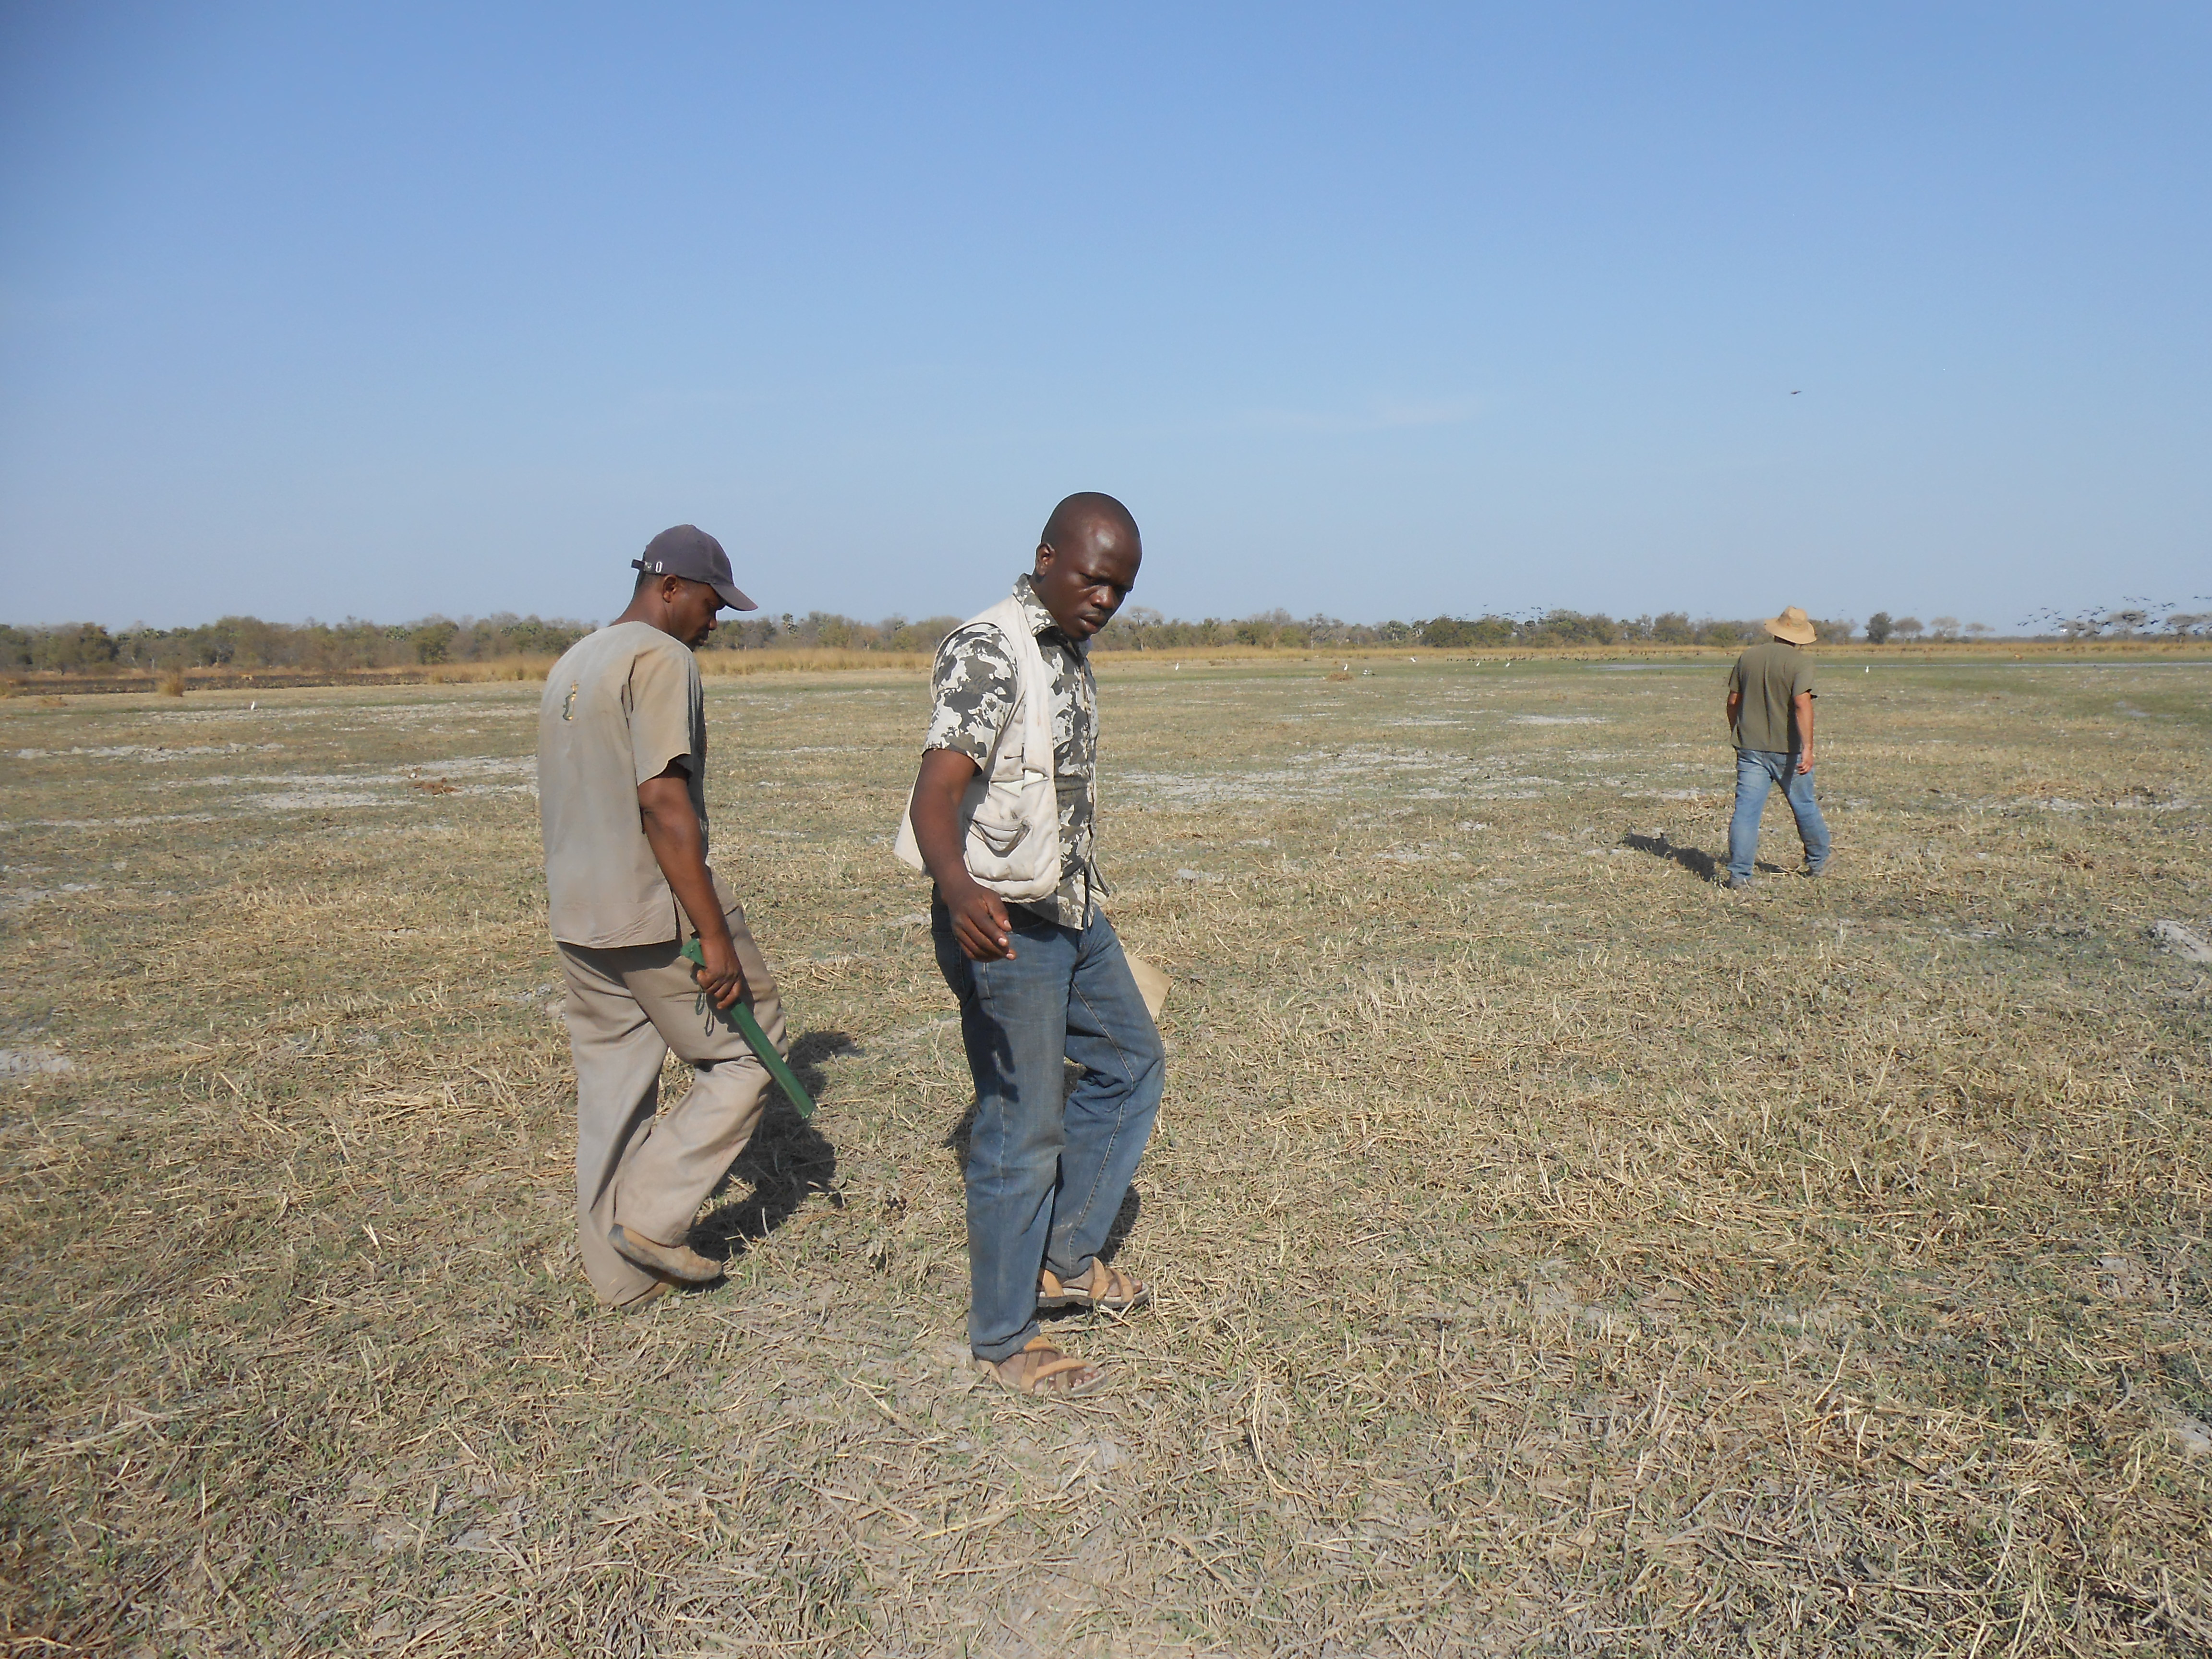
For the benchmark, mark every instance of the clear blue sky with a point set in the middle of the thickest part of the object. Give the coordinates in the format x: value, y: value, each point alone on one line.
x: 1379, y: 310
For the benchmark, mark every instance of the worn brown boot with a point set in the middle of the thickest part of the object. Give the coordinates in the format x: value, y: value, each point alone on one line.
x: 677, y: 1261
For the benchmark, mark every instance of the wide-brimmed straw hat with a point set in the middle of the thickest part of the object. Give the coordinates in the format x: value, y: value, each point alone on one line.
x: 1793, y: 625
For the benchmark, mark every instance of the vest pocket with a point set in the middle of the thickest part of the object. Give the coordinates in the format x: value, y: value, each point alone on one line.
x: 1006, y: 818
x: 1002, y: 830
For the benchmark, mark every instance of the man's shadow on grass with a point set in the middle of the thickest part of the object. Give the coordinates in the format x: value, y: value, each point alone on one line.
x: 957, y: 1139
x: 786, y: 1159
x: 1699, y: 863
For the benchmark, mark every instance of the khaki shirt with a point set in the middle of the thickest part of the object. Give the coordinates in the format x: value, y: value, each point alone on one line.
x: 618, y: 708
x: 1768, y: 677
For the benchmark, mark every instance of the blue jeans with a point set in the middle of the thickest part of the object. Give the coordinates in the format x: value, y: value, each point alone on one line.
x: 1046, y: 1179
x: 1757, y: 771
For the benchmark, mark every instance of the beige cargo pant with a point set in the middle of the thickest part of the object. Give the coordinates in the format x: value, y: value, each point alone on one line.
x: 628, y: 1008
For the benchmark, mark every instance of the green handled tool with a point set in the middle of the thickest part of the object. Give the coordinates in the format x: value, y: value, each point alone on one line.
x: 749, y: 1028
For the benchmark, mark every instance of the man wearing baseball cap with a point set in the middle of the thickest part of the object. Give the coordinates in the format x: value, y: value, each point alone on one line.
x: 1770, y: 711
x: 622, y: 793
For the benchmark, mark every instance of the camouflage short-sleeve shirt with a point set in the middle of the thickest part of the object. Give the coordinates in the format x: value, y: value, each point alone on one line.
x: 974, y: 686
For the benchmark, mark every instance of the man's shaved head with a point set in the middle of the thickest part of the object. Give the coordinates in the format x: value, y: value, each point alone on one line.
x: 1086, y: 563
x: 1089, y: 513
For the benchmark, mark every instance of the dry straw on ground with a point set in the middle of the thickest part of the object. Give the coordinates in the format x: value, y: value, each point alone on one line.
x: 1555, y: 1252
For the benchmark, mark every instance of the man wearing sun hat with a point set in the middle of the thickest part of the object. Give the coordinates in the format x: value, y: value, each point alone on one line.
x: 1770, y: 711
x: 622, y: 793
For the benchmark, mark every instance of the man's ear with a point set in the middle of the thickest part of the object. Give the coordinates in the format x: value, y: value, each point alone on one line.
x: 1045, y: 555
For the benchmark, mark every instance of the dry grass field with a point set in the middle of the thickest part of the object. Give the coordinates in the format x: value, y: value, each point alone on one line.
x: 1556, y: 1253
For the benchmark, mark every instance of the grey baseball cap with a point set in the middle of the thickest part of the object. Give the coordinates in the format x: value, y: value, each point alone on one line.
x: 690, y: 552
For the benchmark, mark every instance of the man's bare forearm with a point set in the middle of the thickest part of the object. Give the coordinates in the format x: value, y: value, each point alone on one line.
x: 936, y: 812
x: 671, y: 829
x: 979, y: 918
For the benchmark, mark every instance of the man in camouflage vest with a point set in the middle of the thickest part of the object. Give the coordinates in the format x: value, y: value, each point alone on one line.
x: 1040, y: 980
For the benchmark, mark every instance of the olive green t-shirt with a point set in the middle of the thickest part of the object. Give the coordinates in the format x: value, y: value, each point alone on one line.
x: 1768, y: 675
x: 622, y: 704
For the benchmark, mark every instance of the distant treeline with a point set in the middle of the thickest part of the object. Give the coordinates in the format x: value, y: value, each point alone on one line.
x: 1141, y: 629
x: 315, y: 647
x: 247, y: 643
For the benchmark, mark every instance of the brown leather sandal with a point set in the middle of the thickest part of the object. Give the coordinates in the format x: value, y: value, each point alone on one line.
x: 1103, y: 1287
x: 1030, y: 1372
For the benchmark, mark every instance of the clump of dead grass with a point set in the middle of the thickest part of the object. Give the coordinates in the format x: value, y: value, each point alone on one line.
x: 491, y: 671
x: 735, y: 665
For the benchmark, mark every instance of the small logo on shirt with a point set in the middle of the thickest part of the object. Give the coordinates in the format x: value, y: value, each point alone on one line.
x: 568, y: 702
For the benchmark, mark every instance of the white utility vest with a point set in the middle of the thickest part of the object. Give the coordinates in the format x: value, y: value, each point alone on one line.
x: 1010, y: 813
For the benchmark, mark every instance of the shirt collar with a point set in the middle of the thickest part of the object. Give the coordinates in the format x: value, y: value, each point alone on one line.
x: 1040, y: 619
